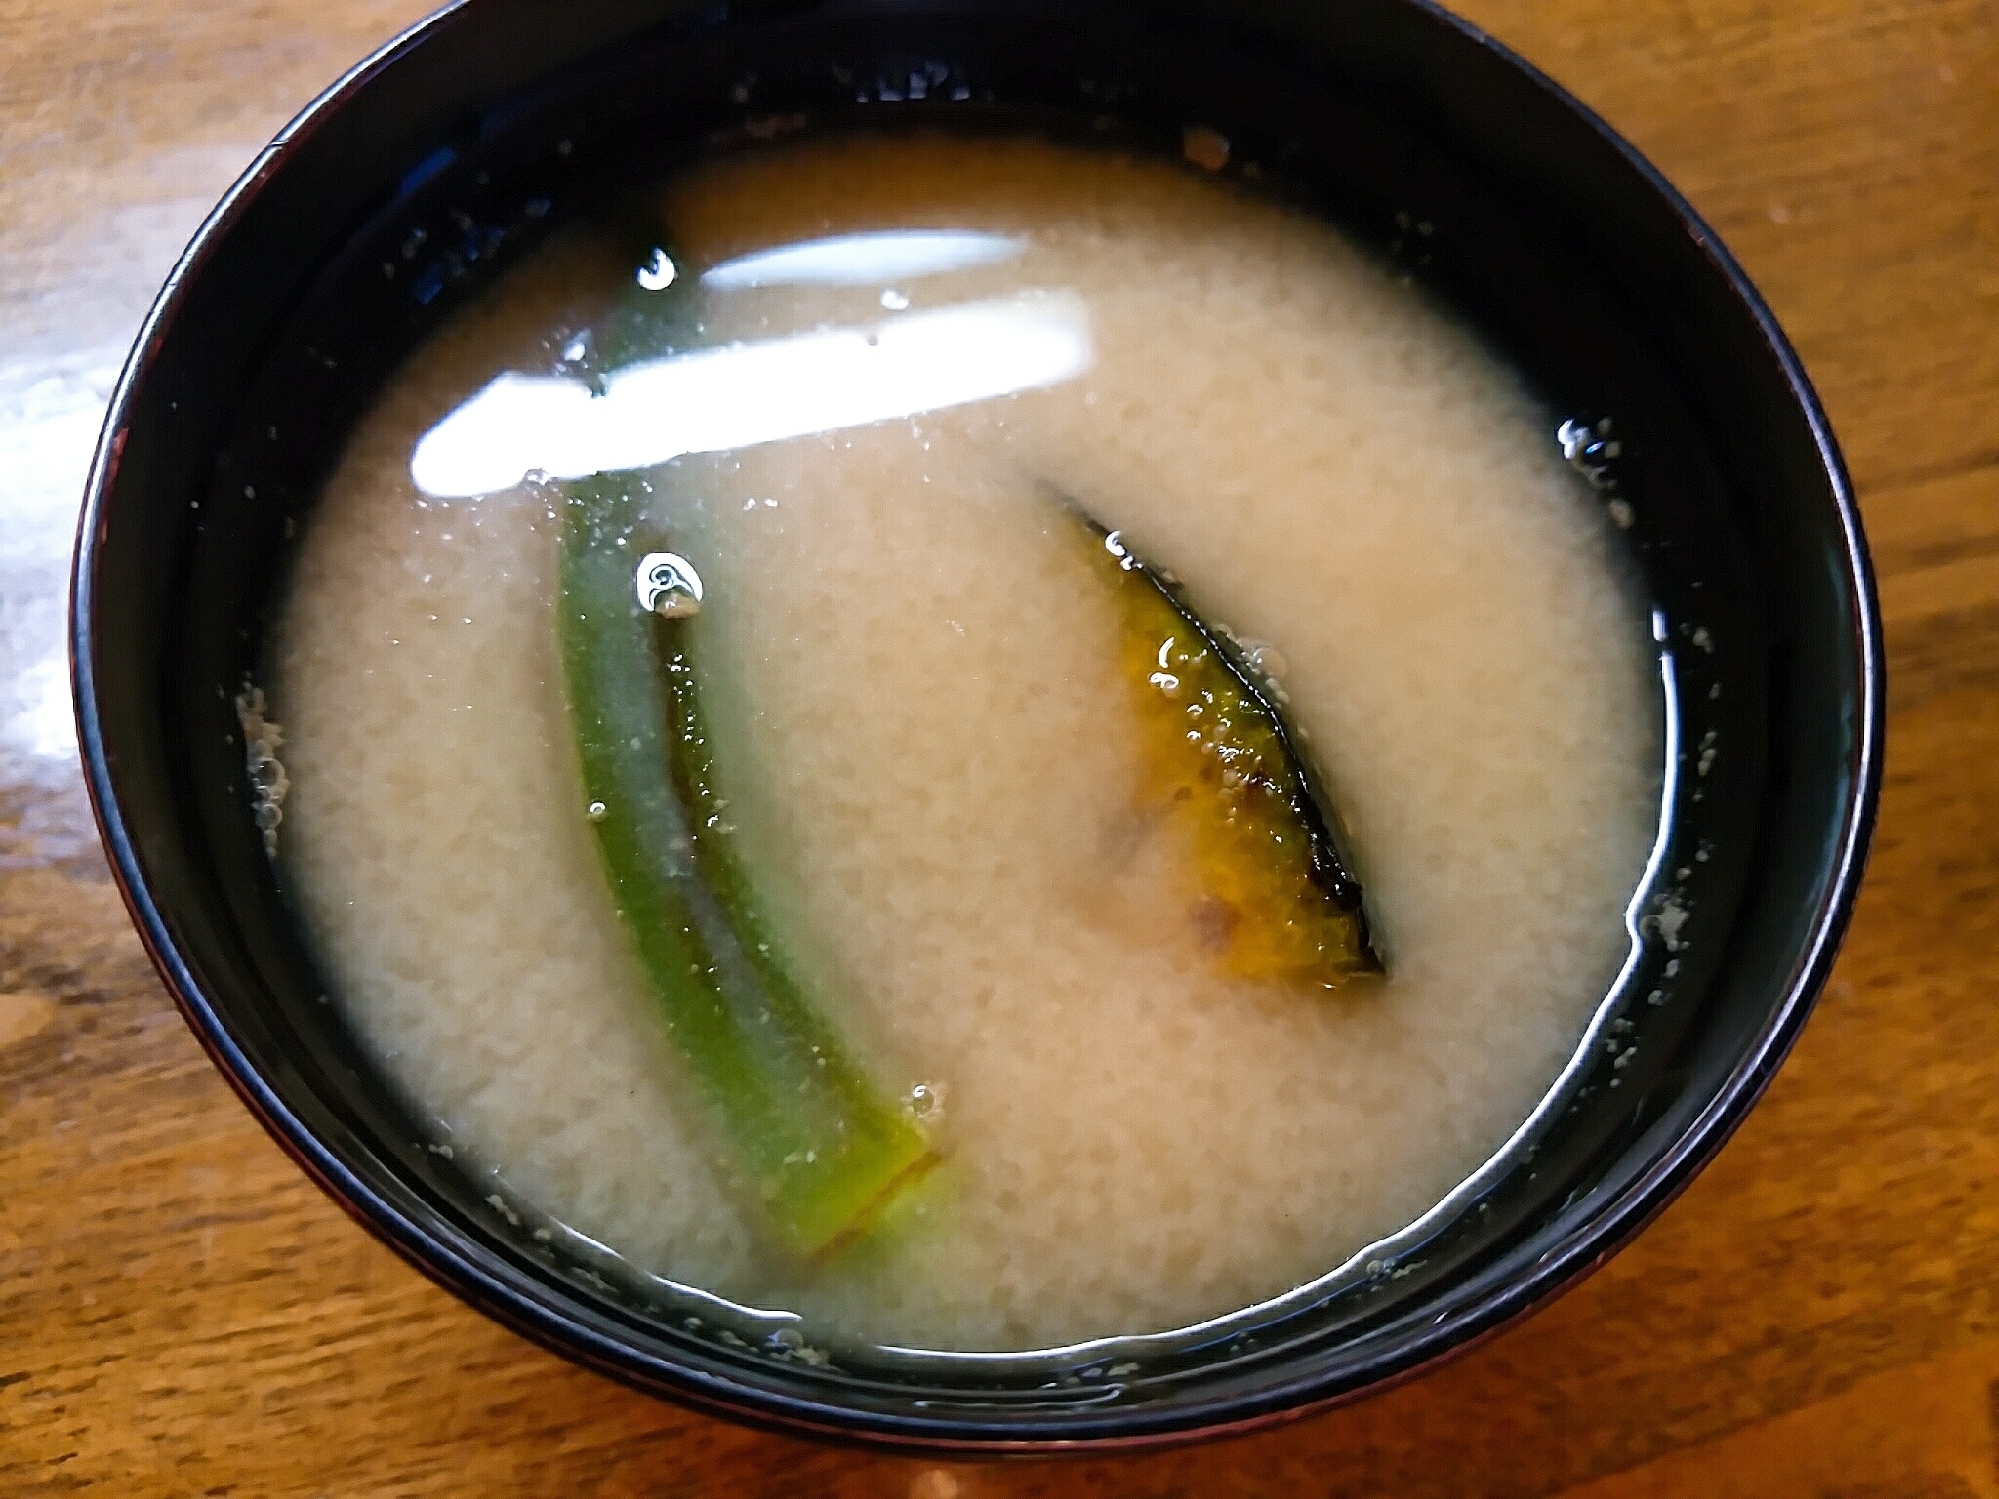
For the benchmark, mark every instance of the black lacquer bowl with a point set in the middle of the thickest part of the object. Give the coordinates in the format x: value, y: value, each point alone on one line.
x: 440, y: 160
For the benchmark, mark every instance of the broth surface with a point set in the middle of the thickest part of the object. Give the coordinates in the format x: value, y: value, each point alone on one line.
x: 925, y: 741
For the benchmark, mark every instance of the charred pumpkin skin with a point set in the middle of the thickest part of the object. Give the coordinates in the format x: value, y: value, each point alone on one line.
x: 1272, y: 898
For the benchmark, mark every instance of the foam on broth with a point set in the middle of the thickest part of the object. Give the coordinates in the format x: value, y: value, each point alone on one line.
x: 923, y: 735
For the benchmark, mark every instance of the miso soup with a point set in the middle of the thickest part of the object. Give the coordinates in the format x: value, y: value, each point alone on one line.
x: 984, y: 487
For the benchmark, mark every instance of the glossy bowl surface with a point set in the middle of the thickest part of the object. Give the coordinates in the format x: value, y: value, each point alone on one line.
x: 435, y: 163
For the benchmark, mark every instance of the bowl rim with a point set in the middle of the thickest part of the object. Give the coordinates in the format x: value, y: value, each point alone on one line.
x: 543, y: 1322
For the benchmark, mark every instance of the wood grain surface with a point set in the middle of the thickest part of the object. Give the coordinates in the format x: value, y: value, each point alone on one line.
x: 181, y: 1313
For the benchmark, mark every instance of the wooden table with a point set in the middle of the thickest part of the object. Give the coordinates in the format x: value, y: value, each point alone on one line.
x: 181, y: 1313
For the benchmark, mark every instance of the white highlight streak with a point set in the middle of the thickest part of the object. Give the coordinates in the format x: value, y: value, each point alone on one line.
x: 864, y: 259
x: 714, y: 400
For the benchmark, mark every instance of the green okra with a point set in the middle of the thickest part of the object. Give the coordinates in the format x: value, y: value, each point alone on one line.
x: 821, y: 1146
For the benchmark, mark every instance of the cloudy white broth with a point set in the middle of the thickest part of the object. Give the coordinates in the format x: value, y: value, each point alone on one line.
x: 929, y: 960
